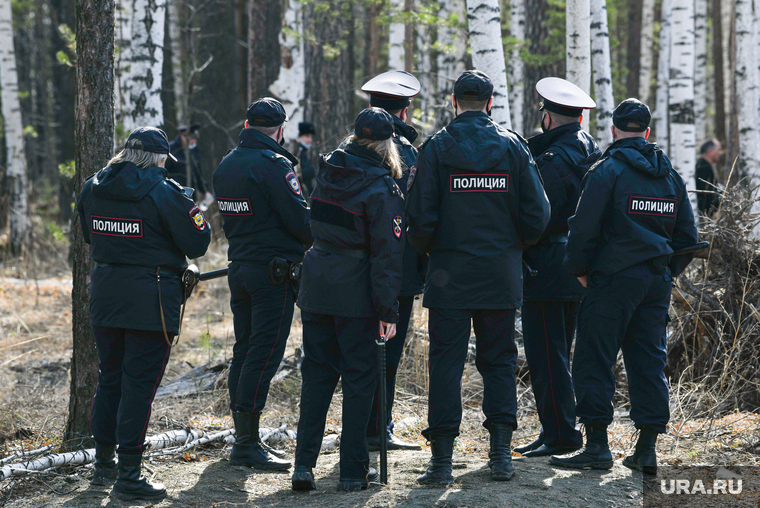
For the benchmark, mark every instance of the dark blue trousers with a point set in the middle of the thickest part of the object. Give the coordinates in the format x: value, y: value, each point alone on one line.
x: 131, y: 365
x: 337, y: 348
x: 625, y: 311
x: 548, y: 329
x: 495, y: 360
x: 262, y: 314
x: 394, y: 348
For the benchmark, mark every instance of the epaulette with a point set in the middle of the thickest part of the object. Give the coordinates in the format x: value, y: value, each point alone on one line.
x: 395, y: 191
x: 519, y: 136
x: 270, y: 154
x: 596, y: 165
x: 424, y: 143
x: 176, y: 184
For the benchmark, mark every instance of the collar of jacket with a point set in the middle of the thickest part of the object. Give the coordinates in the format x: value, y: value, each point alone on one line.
x: 637, y: 143
x: 542, y: 142
x: 466, y: 115
x: 251, y: 138
x: 409, y: 132
x: 364, y: 152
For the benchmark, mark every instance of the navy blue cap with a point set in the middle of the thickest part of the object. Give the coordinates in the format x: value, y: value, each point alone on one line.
x: 306, y: 128
x: 632, y: 115
x: 266, y: 112
x: 391, y: 90
x: 473, y: 86
x: 374, y: 124
x: 150, y: 139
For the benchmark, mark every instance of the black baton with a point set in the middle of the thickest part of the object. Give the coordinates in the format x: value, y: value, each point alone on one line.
x: 383, y: 411
x: 692, y: 249
x: 214, y: 274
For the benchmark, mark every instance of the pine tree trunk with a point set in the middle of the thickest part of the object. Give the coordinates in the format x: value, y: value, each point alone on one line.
x: 537, y: 31
x: 94, y: 134
x: 746, y: 93
x: 578, y: 46
x: 451, y: 62
x: 662, y: 127
x: 396, y: 37
x: 290, y: 86
x: 264, y: 26
x: 408, y: 37
x: 372, y: 53
x: 681, y: 94
x: 700, y: 68
x: 647, y: 51
x: 14, y: 137
x: 516, y: 65
x: 600, y: 56
x: 146, y: 64
x: 484, y: 24
x: 719, y: 93
x: 633, y: 53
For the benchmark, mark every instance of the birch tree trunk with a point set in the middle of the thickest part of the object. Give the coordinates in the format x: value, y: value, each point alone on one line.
x: 578, y: 46
x: 122, y: 66
x: 700, y: 69
x: 147, y: 59
x: 451, y: 59
x: 747, y: 92
x: 14, y: 131
x: 517, y: 66
x: 647, y: 51
x: 681, y: 94
x: 484, y: 23
x: 290, y: 86
x: 396, y: 36
x: 662, y: 127
x: 600, y: 56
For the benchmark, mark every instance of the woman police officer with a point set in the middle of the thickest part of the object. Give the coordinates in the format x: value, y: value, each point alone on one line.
x: 141, y: 226
x: 349, y: 293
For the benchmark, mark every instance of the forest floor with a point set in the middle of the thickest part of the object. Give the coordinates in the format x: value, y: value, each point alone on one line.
x: 35, y: 351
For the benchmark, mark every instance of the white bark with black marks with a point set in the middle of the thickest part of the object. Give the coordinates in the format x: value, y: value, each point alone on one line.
x: 660, y: 114
x: 147, y: 58
x: 484, y: 24
x: 578, y: 46
x: 746, y: 77
x: 516, y: 64
x: 290, y: 86
x: 452, y: 42
x: 396, y: 37
x: 700, y: 68
x: 647, y: 50
x: 600, y: 59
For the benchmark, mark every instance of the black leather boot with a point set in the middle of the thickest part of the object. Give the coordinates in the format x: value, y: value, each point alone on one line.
x: 522, y: 450
x: 130, y: 485
x: 106, y: 470
x: 357, y: 484
x: 439, y: 471
x: 248, y: 450
x: 500, y: 456
x: 394, y: 443
x: 596, y: 454
x: 303, y: 479
x: 644, y: 459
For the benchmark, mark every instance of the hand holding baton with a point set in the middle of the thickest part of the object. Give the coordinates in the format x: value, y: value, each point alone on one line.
x: 383, y: 408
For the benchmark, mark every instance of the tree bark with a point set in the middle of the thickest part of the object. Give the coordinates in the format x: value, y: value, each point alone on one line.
x: 484, y: 24
x: 660, y: 115
x: 517, y: 67
x: 372, y: 53
x: 396, y: 60
x: 647, y: 51
x: 600, y: 56
x: 538, y: 15
x: 181, y: 100
x: 746, y: 93
x: 718, y: 67
x: 424, y: 72
x: 94, y: 134
x: 633, y: 53
x: 264, y: 26
x: 14, y: 136
x: 409, y: 37
x: 122, y: 66
x: 700, y: 69
x: 451, y: 58
x: 146, y: 65
x: 578, y: 46
x: 290, y: 86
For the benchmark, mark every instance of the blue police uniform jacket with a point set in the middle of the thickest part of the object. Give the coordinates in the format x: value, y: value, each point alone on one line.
x: 138, y: 221
x: 357, y: 213
x: 634, y: 208
x: 562, y: 155
x: 259, y: 198
x: 475, y: 203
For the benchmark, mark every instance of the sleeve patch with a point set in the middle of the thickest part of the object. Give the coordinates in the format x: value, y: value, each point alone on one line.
x: 293, y: 183
x: 199, y: 221
x: 397, y: 226
x: 412, y: 175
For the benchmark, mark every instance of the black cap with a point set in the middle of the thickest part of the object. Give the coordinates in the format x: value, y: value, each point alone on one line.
x: 631, y: 115
x: 150, y: 139
x: 374, y: 124
x: 266, y: 112
x: 194, y: 128
x: 306, y: 128
x: 473, y: 86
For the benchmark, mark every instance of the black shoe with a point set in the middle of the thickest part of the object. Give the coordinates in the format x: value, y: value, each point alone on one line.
x: 522, y: 450
x: 500, y: 455
x: 357, y: 484
x: 248, y: 450
x: 644, y: 459
x: 543, y: 450
x: 439, y: 471
x: 130, y: 485
x: 280, y: 454
x: 303, y: 479
x: 596, y: 454
x: 106, y: 469
x: 394, y: 443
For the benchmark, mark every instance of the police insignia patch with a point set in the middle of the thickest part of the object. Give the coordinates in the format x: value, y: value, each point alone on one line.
x: 199, y: 221
x: 412, y: 174
x: 293, y: 183
x: 397, y: 221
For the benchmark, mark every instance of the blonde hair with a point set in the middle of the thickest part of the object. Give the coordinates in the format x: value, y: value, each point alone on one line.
x: 387, y: 149
x: 139, y: 158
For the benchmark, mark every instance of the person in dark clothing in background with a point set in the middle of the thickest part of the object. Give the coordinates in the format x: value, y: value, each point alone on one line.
x: 266, y: 222
x: 177, y: 168
x: 306, y: 171
x: 633, y: 214
x: 349, y: 293
x: 563, y: 153
x: 141, y: 226
x: 475, y: 204
x: 709, y: 154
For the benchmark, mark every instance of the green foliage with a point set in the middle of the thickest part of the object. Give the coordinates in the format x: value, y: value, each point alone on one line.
x: 68, y: 57
x: 67, y: 170
x: 553, y: 47
x: 29, y: 130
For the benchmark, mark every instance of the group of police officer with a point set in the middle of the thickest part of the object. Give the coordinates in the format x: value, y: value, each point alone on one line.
x: 479, y: 220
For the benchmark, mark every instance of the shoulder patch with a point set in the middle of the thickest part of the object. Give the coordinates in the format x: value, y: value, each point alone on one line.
x: 412, y: 175
x: 199, y: 221
x: 398, y: 223
x: 293, y: 183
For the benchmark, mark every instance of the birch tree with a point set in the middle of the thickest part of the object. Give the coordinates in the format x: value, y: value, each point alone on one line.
x: 290, y: 86
x: 484, y: 24
x: 681, y: 94
x: 600, y: 56
x: 451, y: 58
x: 578, y: 45
x: 146, y: 63
x: 747, y: 92
x: 663, y: 68
x: 516, y: 64
x: 14, y: 131
x: 647, y: 50
x: 396, y: 37
x: 700, y: 68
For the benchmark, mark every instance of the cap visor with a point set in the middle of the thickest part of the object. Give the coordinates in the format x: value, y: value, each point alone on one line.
x: 172, y: 157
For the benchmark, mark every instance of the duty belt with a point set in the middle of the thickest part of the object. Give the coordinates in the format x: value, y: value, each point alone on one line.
x: 354, y: 253
x: 553, y: 239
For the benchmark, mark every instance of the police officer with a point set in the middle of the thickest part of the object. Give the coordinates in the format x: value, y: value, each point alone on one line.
x: 307, y: 172
x: 563, y: 153
x: 349, y: 296
x: 393, y: 91
x: 187, y: 141
x: 633, y: 214
x: 475, y: 203
x: 266, y: 222
x: 141, y: 226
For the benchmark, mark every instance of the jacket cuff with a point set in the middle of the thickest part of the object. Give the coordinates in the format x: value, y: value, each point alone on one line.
x: 388, y: 315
